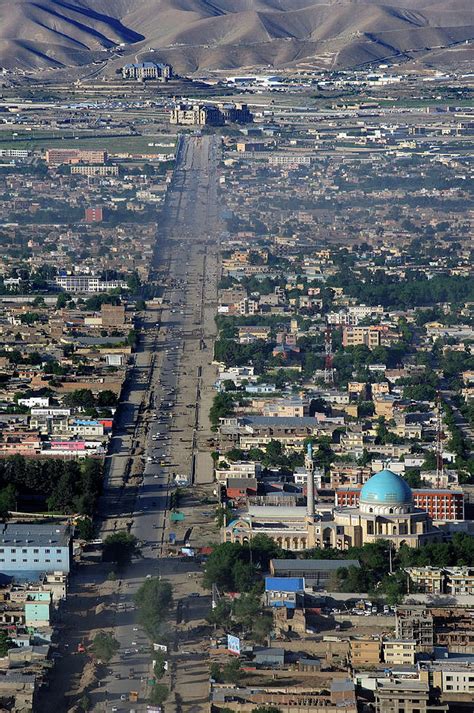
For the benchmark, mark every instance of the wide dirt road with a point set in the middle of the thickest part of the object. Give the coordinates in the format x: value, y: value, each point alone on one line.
x: 163, y: 429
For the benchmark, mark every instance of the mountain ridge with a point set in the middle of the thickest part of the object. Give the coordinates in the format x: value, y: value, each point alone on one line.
x: 204, y: 35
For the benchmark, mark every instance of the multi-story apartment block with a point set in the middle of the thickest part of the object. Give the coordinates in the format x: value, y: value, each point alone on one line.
x: 372, y: 336
x: 365, y: 651
x: 87, y: 283
x: 27, y: 549
x: 56, y: 157
x: 95, y: 170
x: 399, y: 652
x: 456, y: 581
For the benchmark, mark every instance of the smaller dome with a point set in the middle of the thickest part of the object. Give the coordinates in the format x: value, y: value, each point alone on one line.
x: 386, y: 488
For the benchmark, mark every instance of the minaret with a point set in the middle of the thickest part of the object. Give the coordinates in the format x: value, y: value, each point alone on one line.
x: 310, y: 482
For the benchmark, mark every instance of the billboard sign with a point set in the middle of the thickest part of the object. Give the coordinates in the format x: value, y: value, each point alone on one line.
x: 233, y: 644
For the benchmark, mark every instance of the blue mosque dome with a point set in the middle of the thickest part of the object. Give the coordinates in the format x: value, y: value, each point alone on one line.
x: 386, y: 489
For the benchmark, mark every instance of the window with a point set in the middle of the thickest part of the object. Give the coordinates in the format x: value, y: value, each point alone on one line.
x: 47, y: 560
x: 24, y: 551
x: 58, y: 552
x: 35, y: 560
x: 36, y: 552
x: 13, y: 560
x: 47, y: 551
x: 25, y: 560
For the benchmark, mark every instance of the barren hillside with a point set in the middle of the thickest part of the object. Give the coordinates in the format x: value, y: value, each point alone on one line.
x: 197, y: 35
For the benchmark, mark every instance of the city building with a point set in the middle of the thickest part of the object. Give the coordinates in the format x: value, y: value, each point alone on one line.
x: 147, y: 70
x: 370, y: 336
x: 185, y: 114
x: 399, y: 652
x: 284, y: 591
x: 93, y: 215
x: 397, y: 695
x: 385, y: 511
x: 365, y: 651
x: 456, y: 581
x: 440, y: 504
x: 56, y: 157
x: 95, y: 170
x: 28, y: 550
x: 316, y: 573
x: 87, y: 283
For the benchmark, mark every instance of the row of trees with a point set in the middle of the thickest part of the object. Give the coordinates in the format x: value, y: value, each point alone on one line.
x: 57, y: 485
x: 415, y: 291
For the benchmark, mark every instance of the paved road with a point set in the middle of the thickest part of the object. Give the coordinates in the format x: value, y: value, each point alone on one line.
x: 160, y: 392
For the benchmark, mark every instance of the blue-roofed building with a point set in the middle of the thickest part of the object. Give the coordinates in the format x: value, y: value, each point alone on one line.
x: 386, y: 489
x: 284, y: 592
x: 386, y: 511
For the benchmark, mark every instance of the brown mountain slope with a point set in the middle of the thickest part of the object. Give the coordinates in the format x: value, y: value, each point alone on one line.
x: 195, y: 35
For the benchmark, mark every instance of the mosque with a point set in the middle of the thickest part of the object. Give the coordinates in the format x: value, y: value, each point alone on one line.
x: 385, y: 511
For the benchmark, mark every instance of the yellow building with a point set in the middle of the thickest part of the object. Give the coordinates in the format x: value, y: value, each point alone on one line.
x: 365, y: 651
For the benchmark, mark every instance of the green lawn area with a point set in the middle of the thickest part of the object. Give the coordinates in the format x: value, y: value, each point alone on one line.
x: 36, y: 140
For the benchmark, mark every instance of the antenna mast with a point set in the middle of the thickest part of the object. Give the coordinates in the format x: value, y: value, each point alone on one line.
x: 329, y: 357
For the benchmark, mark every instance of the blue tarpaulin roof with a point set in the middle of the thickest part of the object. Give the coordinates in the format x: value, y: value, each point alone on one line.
x: 284, y: 584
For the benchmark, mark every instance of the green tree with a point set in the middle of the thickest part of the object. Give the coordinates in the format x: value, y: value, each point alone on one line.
x: 7, y: 501
x: 153, y: 601
x: 264, y: 549
x: 382, y: 432
x: 80, y: 398
x: 413, y: 478
x: 222, y: 406
x: 393, y: 587
x: 132, y: 338
x: 85, y: 528
x: 133, y: 282
x: 220, y: 615
x: 106, y: 398
x: 63, y: 299
x: 119, y: 548
x: 105, y: 646
x: 158, y: 694
x: 246, y: 609
x: 5, y: 643
x: 262, y: 627
x: 159, y: 666
x: 219, y: 565
x: 85, y: 703
x: 232, y: 672
x: 243, y: 575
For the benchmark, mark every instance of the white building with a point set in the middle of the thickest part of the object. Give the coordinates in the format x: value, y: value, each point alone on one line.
x: 87, y: 283
x: 28, y: 550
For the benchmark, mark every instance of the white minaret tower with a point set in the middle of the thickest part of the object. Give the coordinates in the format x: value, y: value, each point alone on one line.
x: 309, y: 464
